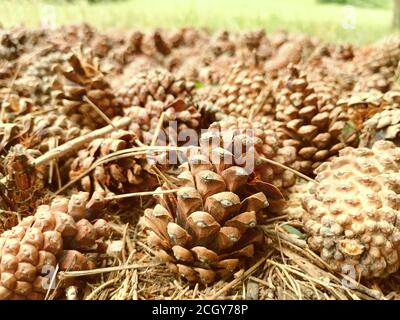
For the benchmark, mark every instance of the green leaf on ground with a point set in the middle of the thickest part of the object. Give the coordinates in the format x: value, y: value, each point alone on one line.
x: 292, y: 230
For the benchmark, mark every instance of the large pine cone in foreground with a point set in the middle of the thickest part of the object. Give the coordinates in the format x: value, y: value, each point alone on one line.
x: 209, y: 229
x: 352, y: 213
x: 56, y: 235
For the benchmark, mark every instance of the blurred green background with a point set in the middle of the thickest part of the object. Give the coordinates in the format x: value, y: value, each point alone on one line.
x: 358, y: 21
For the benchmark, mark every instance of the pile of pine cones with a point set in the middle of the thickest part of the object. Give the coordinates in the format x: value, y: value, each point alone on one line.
x: 213, y: 132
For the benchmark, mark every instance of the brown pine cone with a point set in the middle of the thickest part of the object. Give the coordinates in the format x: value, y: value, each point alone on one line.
x: 157, y: 85
x: 289, y: 52
x: 179, y: 118
x: 15, y: 106
x: 160, y: 44
x: 44, y: 132
x: 222, y: 44
x: 124, y: 175
x: 40, y: 78
x: 384, y: 125
x: 376, y: 65
x: 362, y: 106
x: 11, y: 44
x: 55, y: 235
x: 268, y: 145
x: 24, y: 183
x: 317, y: 130
x: 209, y: 229
x: 83, y: 80
x: 252, y: 39
x: 244, y: 89
x: 7, y: 69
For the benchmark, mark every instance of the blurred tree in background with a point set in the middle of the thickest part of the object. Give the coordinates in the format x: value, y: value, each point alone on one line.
x: 361, y: 3
x: 396, y: 14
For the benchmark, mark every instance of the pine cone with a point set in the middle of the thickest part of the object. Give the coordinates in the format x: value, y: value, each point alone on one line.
x: 376, y: 65
x: 56, y: 235
x: 289, y: 52
x: 7, y: 69
x: 244, y: 89
x: 222, y: 43
x: 268, y: 145
x: 119, y: 176
x: 148, y: 87
x: 317, y: 130
x: 15, y: 106
x: 178, y: 118
x: 83, y: 80
x: 351, y: 213
x: 362, y: 106
x: 209, y: 229
x: 40, y: 78
x: 11, y: 45
x: 252, y: 39
x: 44, y: 132
x: 24, y: 183
x: 160, y: 44
x: 384, y: 125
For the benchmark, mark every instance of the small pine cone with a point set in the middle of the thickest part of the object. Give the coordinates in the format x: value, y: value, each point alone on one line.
x: 199, y: 67
x: 155, y: 85
x: 317, y: 130
x: 7, y: 69
x: 30, y: 251
x: 209, y: 229
x: 185, y: 116
x: 242, y: 90
x: 102, y: 44
x: 160, y: 44
x: 40, y: 78
x: 268, y: 145
x: 376, y: 66
x: 11, y: 45
x: 327, y: 75
x: 362, y: 106
x: 380, y: 121
x: 84, y: 81
x: 384, y: 125
x: 252, y: 40
x: 351, y: 213
x: 8, y: 133
x: 179, y: 119
x: 289, y: 52
x: 15, y: 106
x: 44, y: 132
x: 24, y: 183
x: 129, y: 174
x: 222, y: 44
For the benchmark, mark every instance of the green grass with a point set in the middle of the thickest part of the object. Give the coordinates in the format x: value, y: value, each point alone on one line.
x: 310, y: 16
